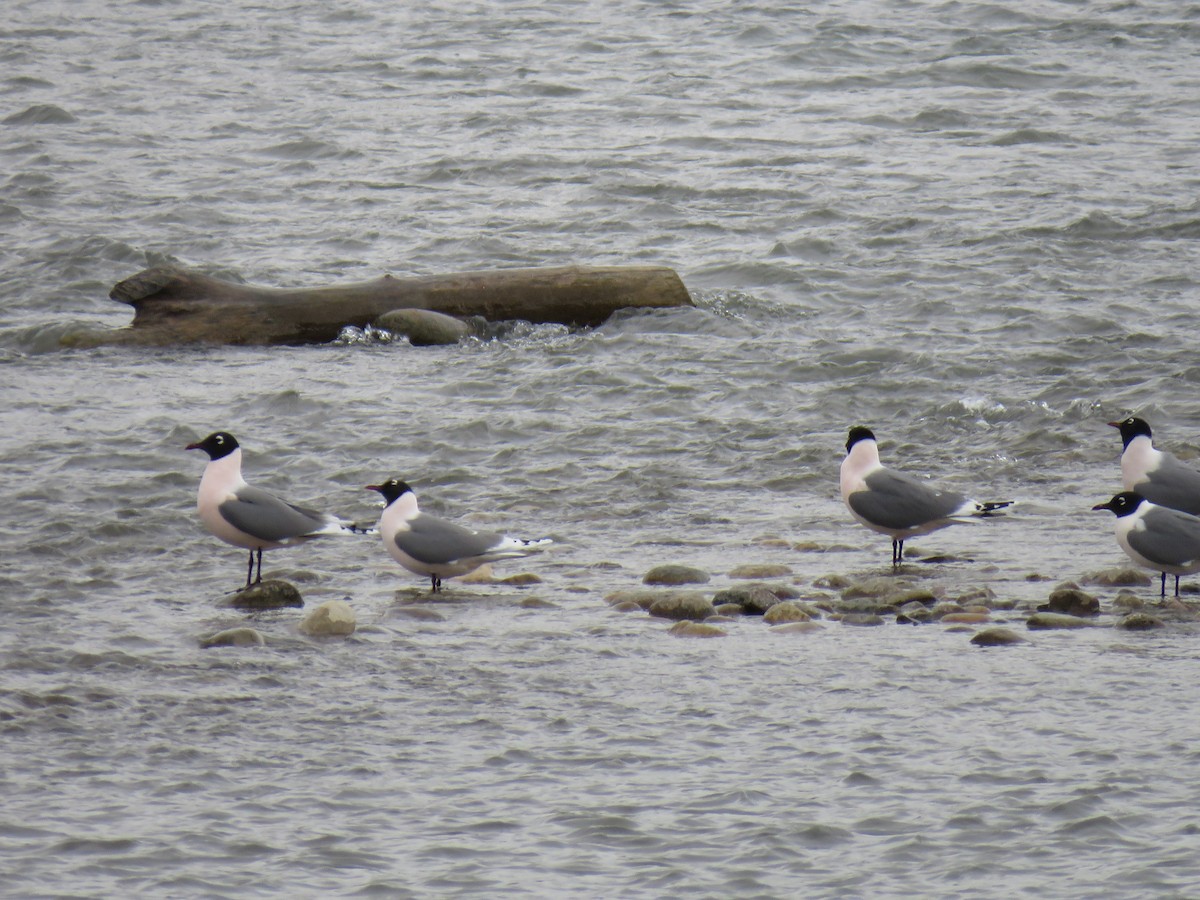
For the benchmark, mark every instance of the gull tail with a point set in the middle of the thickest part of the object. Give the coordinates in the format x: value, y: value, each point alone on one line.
x: 335, y: 525
x: 991, y: 508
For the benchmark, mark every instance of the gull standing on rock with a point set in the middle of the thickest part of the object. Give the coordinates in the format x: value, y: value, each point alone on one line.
x: 1156, y: 475
x: 1156, y: 537
x: 248, y: 517
x: 896, y: 504
x: 427, y: 545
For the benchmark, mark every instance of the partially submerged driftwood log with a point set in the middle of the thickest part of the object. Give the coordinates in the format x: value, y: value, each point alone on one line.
x: 176, y: 305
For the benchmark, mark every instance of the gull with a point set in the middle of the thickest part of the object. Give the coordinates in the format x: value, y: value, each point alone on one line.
x: 246, y: 516
x: 1156, y: 475
x: 427, y: 545
x: 1155, y: 536
x: 896, y: 504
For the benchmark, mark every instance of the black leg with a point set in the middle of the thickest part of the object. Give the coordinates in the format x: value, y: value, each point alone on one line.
x: 897, y: 552
x: 1164, y: 585
x: 258, y: 580
x: 1176, y: 585
x: 250, y: 568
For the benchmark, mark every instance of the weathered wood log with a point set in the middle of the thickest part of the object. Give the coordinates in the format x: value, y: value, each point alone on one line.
x: 176, y: 305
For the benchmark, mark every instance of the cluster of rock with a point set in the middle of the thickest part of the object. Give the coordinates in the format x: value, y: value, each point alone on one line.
x: 331, y: 618
x: 672, y: 592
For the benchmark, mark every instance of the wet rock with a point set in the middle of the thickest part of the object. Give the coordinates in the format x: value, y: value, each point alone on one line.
x: 537, y: 603
x: 754, y: 600
x: 785, y: 611
x: 641, y: 598
x: 1044, y: 620
x: 980, y: 596
x: 696, y: 630
x: 234, y: 637
x: 781, y: 591
x: 1127, y: 577
x: 522, y: 579
x: 997, y: 636
x: 483, y: 575
x: 333, y: 617
x: 681, y: 605
x: 913, y: 613
x: 672, y: 574
x: 1140, y: 621
x: 797, y: 628
x: 731, y: 610
x: 760, y: 570
x: 833, y: 582
x: 271, y: 594
x: 1072, y: 601
x: 424, y: 327
x: 1127, y: 600
x: 861, y: 619
x: 965, y: 618
x: 876, y: 586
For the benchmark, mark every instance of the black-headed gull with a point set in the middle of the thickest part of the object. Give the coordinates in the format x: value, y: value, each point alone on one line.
x: 246, y: 516
x: 427, y: 545
x: 896, y: 504
x: 1156, y: 537
x: 1155, y: 474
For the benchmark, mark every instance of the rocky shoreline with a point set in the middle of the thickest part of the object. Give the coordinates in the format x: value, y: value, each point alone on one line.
x: 672, y: 593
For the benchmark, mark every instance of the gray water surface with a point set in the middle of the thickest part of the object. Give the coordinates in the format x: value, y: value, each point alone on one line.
x: 972, y: 226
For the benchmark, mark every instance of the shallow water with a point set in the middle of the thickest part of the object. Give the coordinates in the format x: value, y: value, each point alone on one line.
x: 971, y: 226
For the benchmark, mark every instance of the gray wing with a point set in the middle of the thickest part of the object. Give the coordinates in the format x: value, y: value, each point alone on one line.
x: 895, y: 500
x: 1168, y: 537
x: 435, y: 541
x: 1172, y: 484
x: 265, y: 516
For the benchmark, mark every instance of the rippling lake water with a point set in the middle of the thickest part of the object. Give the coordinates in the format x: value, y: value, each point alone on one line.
x: 972, y: 226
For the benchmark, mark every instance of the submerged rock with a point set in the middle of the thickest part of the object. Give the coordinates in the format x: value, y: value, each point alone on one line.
x: 333, y: 617
x: 639, y: 599
x: 271, y: 594
x: 760, y: 570
x: 1140, y: 621
x: 998, y: 637
x: 797, y: 628
x: 1126, y: 577
x: 1044, y: 620
x: 672, y: 574
x: 754, y: 600
x: 696, y: 630
x: 234, y: 637
x: 861, y: 619
x: 679, y: 605
x: 785, y: 611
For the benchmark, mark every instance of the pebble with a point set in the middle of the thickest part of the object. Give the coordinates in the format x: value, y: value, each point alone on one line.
x: 234, y: 637
x: 1070, y: 599
x: 678, y: 605
x: 696, y: 630
x: 333, y: 617
x: 784, y: 612
x: 1140, y: 621
x: 760, y: 570
x: 271, y: 594
x: 672, y: 574
x: 1043, y: 620
x: 797, y: 628
x: 754, y: 600
x: 998, y: 637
